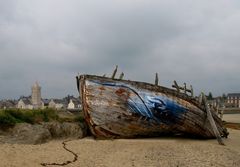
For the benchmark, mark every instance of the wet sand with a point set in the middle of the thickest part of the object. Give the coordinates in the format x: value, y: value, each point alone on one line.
x: 234, y: 118
x: 166, y: 152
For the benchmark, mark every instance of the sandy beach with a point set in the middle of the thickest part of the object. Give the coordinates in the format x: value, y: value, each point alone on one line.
x: 234, y: 118
x: 166, y: 152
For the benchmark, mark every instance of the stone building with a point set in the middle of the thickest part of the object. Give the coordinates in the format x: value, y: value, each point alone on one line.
x: 233, y: 100
x: 36, y: 96
x: 32, y: 102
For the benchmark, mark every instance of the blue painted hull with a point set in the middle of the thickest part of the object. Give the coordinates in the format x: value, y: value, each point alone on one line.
x: 128, y: 109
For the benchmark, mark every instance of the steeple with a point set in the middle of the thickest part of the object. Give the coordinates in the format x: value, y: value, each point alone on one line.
x: 36, y: 95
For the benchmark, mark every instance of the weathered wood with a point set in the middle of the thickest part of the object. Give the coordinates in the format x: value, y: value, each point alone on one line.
x: 191, y: 89
x: 114, y: 72
x: 211, y: 120
x: 110, y: 111
x: 121, y: 76
x: 78, y: 80
x: 185, y: 88
x: 156, y: 79
x: 175, y: 85
x: 200, y: 99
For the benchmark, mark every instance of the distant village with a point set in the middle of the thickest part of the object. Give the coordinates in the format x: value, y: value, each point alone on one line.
x: 35, y: 101
x: 230, y: 101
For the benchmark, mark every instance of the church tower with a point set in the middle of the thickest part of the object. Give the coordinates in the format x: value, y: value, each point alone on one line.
x: 36, y: 95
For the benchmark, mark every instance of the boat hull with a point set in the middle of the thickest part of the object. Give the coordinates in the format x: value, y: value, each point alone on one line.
x: 128, y: 109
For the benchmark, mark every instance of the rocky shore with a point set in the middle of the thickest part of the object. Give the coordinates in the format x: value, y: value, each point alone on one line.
x: 25, y: 133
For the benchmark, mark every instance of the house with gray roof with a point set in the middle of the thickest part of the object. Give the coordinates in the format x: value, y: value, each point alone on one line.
x: 74, y: 103
x: 233, y: 100
x: 58, y: 104
x: 7, y: 104
x: 25, y: 103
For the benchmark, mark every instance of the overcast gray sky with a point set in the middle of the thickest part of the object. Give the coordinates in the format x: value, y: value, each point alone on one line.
x: 50, y: 41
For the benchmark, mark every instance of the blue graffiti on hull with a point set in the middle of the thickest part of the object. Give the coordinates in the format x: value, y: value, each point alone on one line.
x: 158, y: 108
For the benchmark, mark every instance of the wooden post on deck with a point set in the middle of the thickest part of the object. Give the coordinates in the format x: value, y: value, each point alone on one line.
x: 121, y: 76
x: 185, y: 88
x: 200, y: 98
x: 211, y: 120
x: 191, y: 88
x: 156, y: 79
x: 221, y: 112
x: 175, y: 85
x: 114, y: 72
x: 77, y: 79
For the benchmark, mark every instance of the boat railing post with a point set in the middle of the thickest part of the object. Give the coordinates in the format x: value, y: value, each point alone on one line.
x: 211, y: 120
x: 114, y: 72
x: 222, y: 112
x: 188, y: 90
x: 77, y: 79
x: 175, y: 85
x: 121, y: 76
x: 191, y: 88
x: 156, y: 79
x: 200, y: 99
x: 185, y: 88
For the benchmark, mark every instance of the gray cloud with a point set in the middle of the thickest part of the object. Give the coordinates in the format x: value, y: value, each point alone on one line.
x: 51, y: 41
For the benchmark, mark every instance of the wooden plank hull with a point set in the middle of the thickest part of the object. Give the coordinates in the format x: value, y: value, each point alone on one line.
x: 128, y: 109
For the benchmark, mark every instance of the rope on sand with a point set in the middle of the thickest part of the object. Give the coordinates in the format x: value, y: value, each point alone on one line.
x: 64, y: 143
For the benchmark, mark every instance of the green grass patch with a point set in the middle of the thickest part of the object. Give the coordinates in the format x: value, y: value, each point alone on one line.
x: 10, y: 117
x: 79, y: 118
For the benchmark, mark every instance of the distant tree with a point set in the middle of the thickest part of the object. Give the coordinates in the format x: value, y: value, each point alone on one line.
x: 210, y: 97
x: 224, y: 96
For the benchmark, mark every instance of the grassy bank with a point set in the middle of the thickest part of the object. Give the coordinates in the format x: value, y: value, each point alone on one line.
x: 10, y: 117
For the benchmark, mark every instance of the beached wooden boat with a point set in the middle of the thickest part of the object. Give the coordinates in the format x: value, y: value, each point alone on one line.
x: 116, y: 108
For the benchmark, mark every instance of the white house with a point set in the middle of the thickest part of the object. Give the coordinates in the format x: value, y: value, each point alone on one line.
x: 74, y: 103
x: 26, y: 103
x: 57, y: 104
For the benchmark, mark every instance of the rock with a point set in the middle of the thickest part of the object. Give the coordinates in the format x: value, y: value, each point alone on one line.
x: 66, y: 129
x: 1, y: 132
x: 54, y: 128
x: 72, y: 130
x: 25, y: 133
